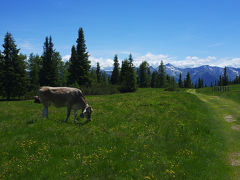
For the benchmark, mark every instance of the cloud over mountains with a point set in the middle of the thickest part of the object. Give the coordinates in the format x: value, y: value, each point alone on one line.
x: 155, y: 59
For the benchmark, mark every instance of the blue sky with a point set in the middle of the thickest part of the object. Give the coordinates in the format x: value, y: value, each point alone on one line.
x: 184, y: 33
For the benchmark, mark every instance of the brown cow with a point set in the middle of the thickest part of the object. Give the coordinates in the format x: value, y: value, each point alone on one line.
x: 72, y: 98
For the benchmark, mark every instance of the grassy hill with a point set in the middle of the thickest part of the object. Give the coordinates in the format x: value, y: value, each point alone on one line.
x: 233, y: 93
x: 150, y: 134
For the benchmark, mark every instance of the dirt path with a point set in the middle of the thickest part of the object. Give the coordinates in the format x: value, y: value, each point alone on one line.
x: 229, y: 112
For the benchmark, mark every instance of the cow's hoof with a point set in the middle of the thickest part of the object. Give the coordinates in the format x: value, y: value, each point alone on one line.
x: 81, y: 115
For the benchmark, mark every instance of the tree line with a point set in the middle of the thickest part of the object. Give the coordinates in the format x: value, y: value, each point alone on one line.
x: 21, y: 76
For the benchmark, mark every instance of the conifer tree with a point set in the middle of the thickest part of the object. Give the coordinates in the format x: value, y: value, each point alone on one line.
x: 180, y: 83
x: 187, y: 81
x: 115, y: 74
x: 225, y: 77
x: 82, y: 62
x: 72, y: 70
x: 98, y: 72
x: 154, y: 80
x: 220, y: 82
x: 48, y: 71
x: 13, y: 69
x: 34, y: 62
x: 128, y: 76
x: 1, y: 73
x: 162, y: 75
x: 200, y: 83
x: 144, y: 75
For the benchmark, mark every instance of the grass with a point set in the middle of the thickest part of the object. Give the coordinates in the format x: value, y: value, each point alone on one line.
x: 232, y: 94
x: 150, y: 134
x: 223, y: 104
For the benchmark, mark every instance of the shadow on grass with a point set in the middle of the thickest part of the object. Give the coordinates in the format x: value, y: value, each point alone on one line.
x: 83, y: 123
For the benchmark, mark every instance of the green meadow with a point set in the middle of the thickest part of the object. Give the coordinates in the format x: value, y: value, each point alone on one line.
x: 150, y: 134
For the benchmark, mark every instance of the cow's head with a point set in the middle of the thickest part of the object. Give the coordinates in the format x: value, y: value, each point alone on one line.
x: 37, y: 99
x: 87, y: 112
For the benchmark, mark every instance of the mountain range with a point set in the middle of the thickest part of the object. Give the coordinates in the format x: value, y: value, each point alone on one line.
x: 207, y: 73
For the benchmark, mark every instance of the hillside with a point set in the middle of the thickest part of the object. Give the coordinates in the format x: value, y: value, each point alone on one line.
x: 150, y: 134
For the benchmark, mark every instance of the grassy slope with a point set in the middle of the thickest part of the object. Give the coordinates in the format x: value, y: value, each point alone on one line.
x: 232, y: 94
x: 223, y: 104
x: 148, y: 134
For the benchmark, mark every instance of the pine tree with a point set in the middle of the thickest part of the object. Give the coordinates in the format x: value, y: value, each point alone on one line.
x: 144, y: 75
x: 200, y: 83
x: 128, y: 76
x: 225, y: 77
x: 162, y: 75
x: 154, y: 80
x: 34, y: 63
x: 1, y: 73
x: 115, y: 74
x: 48, y: 75
x: 82, y: 62
x: 220, y: 82
x: 13, y: 69
x: 72, y: 70
x: 187, y: 81
x: 180, y: 83
x: 98, y: 72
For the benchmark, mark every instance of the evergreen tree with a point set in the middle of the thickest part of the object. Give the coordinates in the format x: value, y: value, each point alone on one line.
x: 200, y: 83
x: 128, y: 76
x: 225, y: 77
x: 98, y: 72
x: 187, y: 81
x: 154, y: 80
x: 72, y: 70
x: 236, y: 80
x: 162, y: 75
x: 115, y: 74
x: 82, y: 62
x: 48, y: 71
x: 180, y: 83
x: 1, y: 73
x: 61, y: 69
x: 144, y: 75
x: 34, y: 63
x: 13, y: 69
x: 220, y: 82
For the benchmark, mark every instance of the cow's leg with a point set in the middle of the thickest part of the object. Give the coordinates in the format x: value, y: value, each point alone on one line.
x: 68, y: 113
x: 45, y: 111
x: 75, y: 116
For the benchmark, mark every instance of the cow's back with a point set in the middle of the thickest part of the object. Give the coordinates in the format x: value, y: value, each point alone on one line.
x: 59, y: 96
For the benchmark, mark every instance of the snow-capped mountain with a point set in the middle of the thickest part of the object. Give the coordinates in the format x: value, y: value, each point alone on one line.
x: 207, y: 73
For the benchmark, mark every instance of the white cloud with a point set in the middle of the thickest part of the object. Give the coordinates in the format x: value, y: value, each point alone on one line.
x: 66, y: 58
x: 104, y: 63
x: 216, y: 44
x: 155, y: 59
x: 26, y: 45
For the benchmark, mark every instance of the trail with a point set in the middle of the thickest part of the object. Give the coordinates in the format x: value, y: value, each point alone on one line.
x: 229, y: 112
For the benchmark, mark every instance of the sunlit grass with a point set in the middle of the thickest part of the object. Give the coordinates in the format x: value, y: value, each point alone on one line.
x: 151, y: 134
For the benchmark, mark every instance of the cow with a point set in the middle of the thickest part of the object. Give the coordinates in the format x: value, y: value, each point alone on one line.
x: 72, y: 98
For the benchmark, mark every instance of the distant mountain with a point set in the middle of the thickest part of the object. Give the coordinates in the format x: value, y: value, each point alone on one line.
x: 207, y: 73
